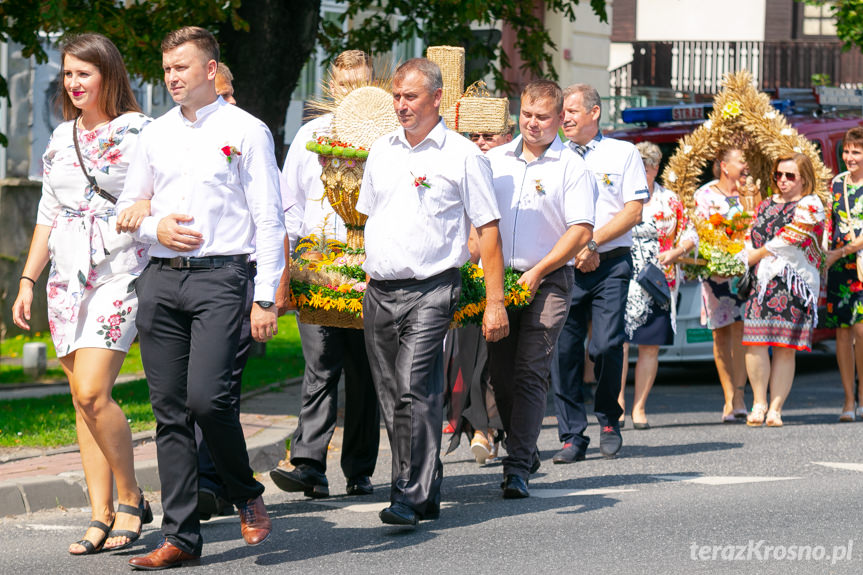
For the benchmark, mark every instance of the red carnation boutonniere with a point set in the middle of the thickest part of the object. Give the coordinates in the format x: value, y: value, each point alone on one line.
x: 421, y: 181
x: 230, y: 153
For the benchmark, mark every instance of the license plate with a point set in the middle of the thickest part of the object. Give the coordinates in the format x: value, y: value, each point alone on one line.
x: 698, y: 335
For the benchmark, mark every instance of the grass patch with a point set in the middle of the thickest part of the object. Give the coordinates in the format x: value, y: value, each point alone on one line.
x: 11, y: 372
x: 50, y: 421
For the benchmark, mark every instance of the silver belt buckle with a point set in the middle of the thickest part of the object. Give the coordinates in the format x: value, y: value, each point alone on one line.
x: 179, y: 263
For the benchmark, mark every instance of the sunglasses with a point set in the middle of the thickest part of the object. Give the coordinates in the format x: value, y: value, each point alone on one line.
x: 476, y: 137
x: 777, y: 175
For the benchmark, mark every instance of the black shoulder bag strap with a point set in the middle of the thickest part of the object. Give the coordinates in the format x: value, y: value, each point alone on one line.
x: 87, y: 175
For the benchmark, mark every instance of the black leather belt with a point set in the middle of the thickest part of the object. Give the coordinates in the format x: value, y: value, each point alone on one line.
x: 208, y: 262
x: 615, y: 253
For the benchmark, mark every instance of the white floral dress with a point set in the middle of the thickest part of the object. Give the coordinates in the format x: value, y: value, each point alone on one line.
x: 664, y: 225
x: 91, y: 284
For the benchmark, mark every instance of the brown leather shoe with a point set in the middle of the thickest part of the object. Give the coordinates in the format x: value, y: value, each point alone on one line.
x: 254, y: 521
x: 164, y: 556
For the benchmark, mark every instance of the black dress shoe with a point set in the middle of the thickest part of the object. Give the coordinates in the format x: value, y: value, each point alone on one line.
x: 303, y: 478
x: 610, y: 441
x: 569, y: 454
x: 210, y: 503
x: 514, y: 487
x: 639, y: 425
x: 399, y: 514
x: 360, y: 485
x: 431, y: 514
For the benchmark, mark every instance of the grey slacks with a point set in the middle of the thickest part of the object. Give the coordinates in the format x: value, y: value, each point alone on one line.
x: 328, y: 351
x: 520, y: 367
x: 405, y: 323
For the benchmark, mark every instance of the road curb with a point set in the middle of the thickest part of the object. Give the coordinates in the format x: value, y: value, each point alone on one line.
x: 68, y: 490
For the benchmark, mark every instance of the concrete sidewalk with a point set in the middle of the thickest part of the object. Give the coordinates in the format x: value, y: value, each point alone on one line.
x: 268, y: 416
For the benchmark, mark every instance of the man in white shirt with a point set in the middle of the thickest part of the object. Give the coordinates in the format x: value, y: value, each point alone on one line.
x: 328, y: 350
x: 546, y: 197
x: 423, y: 185
x: 602, y: 275
x: 209, y: 171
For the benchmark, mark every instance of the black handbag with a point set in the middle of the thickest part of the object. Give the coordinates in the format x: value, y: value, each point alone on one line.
x: 745, y: 283
x: 93, y: 184
x: 652, y: 280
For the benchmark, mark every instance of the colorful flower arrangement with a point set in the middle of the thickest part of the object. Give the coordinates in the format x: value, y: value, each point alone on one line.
x: 720, y: 240
x: 230, y: 153
x: 332, y: 279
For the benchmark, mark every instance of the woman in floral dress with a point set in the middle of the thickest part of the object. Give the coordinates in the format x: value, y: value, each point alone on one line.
x: 721, y: 306
x: 844, y: 289
x: 91, y: 283
x: 663, y: 236
x: 782, y: 308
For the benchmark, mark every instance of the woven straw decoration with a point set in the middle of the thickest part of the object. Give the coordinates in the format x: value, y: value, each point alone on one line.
x: 364, y: 115
x: 477, y: 112
x: 330, y: 317
x: 450, y: 59
x: 342, y: 178
x: 741, y: 110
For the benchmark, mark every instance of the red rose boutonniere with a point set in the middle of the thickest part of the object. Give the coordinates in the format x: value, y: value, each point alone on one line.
x: 420, y: 181
x: 230, y: 153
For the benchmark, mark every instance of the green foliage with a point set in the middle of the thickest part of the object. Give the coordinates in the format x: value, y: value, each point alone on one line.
x: 821, y: 80
x: 849, y: 21
x: 449, y: 22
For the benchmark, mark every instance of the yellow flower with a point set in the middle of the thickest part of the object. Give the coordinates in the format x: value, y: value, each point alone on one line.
x: 344, y: 288
x: 731, y: 110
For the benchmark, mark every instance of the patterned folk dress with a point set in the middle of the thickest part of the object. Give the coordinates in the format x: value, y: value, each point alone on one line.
x: 91, y: 284
x: 781, y: 310
x: 844, y: 290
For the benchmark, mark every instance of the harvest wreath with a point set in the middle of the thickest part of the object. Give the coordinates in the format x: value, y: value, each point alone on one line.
x: 740, y: 114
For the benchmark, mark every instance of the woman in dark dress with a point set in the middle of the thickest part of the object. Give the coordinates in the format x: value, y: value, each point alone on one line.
x: 781, y: 310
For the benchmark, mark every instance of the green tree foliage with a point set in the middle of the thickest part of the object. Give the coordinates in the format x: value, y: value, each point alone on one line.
x: 267, y: 42
x: 450, y: 23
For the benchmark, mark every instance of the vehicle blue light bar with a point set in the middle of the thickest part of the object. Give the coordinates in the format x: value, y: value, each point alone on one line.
x: 683, y: 112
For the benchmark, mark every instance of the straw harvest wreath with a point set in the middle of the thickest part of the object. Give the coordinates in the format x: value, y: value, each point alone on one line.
x: 327, y: 279
x: 743, y: 118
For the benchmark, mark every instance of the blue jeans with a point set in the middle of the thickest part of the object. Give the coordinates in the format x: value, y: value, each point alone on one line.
x: 599, y: 296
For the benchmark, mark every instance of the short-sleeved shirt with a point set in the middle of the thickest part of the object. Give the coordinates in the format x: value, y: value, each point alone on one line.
x: 539, y: 200
x: 420, y: 201
x: 619, y: 173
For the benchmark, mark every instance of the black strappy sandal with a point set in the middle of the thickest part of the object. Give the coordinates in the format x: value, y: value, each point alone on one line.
x: 89, y: 547
x: 143, y: 512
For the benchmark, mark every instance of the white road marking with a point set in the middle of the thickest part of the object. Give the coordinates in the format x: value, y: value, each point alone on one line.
x: 846, y: 466
x: 550, y: 493
x: 40, y: 527
x: 719, y: 479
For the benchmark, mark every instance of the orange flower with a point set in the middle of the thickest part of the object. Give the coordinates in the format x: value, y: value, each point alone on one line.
x: 716, y: 219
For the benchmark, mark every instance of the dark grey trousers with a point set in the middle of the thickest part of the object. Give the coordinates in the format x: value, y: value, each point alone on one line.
x: 405, y: 324
x: 189, y: 327
x: 520, y: 367
x: 327, y: 351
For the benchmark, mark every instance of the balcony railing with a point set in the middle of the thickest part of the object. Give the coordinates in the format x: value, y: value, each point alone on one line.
x: 696, y: 68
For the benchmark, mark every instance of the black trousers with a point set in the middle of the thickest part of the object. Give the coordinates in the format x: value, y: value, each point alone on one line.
x: 328, y: 351
x: 208, y: 477
x: 189, y: 325
x: 520, y: 366
x: 602, y: 294
x: 405, y: 324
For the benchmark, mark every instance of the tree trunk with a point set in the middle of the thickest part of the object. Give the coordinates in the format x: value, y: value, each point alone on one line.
x: 266, y: 60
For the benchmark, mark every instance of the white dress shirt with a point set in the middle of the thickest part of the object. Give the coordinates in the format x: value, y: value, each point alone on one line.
x: 307, y: 210
x: 539, y: 200
x: 181, y: 167
x: 619, y: 173
x: 414, y: 231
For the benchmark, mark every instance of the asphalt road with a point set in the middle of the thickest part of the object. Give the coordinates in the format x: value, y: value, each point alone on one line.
x: 690, y: 495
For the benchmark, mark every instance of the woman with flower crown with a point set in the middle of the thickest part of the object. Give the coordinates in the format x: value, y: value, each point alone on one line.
x: 721, y: 306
